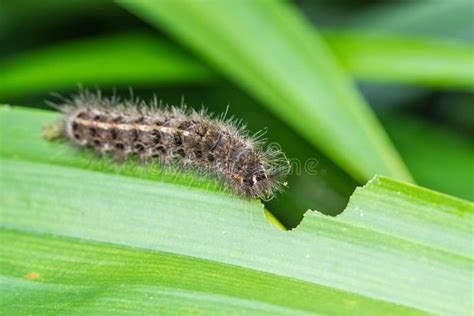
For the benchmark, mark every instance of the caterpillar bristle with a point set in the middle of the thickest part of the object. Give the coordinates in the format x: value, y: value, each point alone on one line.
x: 219, y: 146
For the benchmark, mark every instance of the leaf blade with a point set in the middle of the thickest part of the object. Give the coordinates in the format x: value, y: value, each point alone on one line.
x: 127, y: 280
x: 394, y: 58
x: 53, y: 68
x: 112, y: 60
x: 364, y: 256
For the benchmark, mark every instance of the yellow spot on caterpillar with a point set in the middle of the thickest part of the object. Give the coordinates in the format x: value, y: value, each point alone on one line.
x: 128, y: 127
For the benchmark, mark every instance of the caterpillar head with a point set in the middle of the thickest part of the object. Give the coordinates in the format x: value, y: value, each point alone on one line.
x: 262, y: 174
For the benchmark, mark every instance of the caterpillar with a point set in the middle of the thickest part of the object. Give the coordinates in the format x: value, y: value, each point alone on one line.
x: 173, y: 135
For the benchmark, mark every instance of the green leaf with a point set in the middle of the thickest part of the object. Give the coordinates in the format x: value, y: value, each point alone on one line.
x: 444, y: 19
x: 150, y: 60
x: 439, y: 158
x: 79, y: 237
x: 272, y: 52
x: 89, y: 277
x: 402, y: 59
x: 118, y: 60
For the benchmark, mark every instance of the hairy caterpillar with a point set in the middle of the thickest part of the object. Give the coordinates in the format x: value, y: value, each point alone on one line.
x: 174, y: 136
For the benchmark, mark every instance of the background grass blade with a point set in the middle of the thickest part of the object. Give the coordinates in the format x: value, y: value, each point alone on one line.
x: 393, y: 58
x: 150, y: 60
x: 108, y: 61
x: 449, y: 170
x: 293, y: 74
x: 440, y: 19
x: 378, y: 257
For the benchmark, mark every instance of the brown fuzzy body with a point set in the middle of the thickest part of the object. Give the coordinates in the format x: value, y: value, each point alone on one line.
x: 175, y: 136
